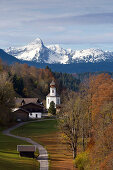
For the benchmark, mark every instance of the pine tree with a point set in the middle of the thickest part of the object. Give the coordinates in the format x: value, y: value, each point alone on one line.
x: 52, y: 108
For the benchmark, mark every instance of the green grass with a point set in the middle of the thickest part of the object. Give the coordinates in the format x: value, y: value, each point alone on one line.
x: 37, y: 128
x: 9, y: 157
x: 47, y: 134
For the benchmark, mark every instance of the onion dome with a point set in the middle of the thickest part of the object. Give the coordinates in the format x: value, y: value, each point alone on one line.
x: 52, y: 84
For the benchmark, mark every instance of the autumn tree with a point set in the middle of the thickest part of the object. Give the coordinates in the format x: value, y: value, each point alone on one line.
x: 101, y: 90
x: 6, y: 98
x: 73, y: 121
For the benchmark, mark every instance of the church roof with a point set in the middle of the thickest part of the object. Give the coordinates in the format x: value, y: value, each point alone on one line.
x: 26, y: 148
x: 31, y: 104
x: 52, y: 83
x: 57, y: 95
x: 18, y: 101
x: 21, y: 110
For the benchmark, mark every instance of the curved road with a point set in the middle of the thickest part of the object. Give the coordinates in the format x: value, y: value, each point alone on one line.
x: 43, y: 155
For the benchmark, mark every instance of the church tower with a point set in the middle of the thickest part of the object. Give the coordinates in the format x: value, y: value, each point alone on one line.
x: 52, y: 89
x: 52, y: 96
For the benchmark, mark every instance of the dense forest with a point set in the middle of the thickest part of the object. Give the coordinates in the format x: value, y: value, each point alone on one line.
x: 29, y: 81
x: 86, y: 75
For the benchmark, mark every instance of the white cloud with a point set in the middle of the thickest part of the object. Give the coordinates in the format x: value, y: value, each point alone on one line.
x: 58, y: 21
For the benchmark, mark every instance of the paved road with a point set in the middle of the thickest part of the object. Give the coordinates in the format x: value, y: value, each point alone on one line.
x: 43, y: 155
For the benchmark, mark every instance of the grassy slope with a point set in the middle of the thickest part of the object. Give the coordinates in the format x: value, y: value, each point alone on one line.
x: 10, y: 159
x: 37, y: 128
x: 46, y: 133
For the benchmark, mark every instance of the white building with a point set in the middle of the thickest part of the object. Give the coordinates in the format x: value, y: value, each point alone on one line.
x: 36, y: 115
x: 52, y: 96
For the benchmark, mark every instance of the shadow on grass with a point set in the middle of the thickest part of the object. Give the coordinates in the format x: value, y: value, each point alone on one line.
x: 8, y: 152
x: 41, y: 158
x: 56, y: 160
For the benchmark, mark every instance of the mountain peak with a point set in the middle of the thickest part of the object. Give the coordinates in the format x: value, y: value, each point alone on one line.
x: 36, y: 41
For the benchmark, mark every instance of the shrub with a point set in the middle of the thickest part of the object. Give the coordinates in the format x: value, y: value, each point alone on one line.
x: 82, y: 161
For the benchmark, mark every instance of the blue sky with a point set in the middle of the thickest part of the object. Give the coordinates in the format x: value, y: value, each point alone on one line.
x: 76, y: 24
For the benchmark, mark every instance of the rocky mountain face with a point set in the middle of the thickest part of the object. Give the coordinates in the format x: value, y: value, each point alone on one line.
x: 37, y: 52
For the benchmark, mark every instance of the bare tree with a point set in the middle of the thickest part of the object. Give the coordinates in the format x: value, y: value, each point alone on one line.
x: 69, y: 121
x: 74, y: 120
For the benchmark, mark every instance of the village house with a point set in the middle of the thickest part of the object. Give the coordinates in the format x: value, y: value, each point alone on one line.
x: 21, y: 114
x: 28, y: 108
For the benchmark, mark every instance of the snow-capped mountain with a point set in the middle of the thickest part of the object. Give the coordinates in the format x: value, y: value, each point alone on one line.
x: 92, y: 55
x: 31, y: 52
x: 36, y: 51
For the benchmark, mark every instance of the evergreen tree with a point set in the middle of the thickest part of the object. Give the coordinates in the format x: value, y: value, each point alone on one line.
x: 18, y: 84
x: 52, y: 108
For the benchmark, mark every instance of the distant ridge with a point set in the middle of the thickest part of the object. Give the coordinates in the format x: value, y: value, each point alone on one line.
x: 8, y: 59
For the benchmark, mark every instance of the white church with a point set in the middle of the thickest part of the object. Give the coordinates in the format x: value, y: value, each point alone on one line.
x: 52, y: 96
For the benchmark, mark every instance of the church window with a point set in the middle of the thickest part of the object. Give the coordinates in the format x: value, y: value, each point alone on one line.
x: 48, y: 101
x: 52, y: 91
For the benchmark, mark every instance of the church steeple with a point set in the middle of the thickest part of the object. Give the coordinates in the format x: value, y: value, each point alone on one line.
x: 52, y: 96
x: 52, y: 89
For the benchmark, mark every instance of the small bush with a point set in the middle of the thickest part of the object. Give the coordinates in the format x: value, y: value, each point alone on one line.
x: 50, y: 115
x: 82, y: 161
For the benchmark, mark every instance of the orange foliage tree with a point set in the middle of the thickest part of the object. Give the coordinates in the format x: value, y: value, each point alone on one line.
x: 101, y: 96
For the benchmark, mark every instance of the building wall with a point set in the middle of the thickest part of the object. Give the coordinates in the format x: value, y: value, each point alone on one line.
x: 52, y: 91
x: 19, y: 114
x: 35, y: 115
x: 56, y: 100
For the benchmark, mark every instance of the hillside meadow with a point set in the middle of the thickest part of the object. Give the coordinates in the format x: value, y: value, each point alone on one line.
x: 9, y: 157
x: 47, y: 133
